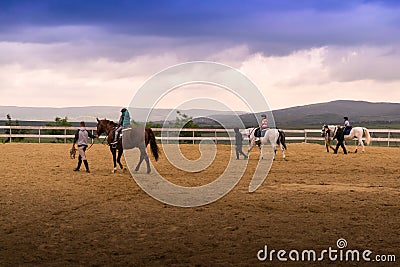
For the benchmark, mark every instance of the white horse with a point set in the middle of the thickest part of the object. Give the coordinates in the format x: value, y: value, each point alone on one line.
x: 273, y: 136
x: 356, y: 132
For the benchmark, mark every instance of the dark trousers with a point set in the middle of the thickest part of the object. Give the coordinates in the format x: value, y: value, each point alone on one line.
x: 239, y: 152
x: 341, y: 144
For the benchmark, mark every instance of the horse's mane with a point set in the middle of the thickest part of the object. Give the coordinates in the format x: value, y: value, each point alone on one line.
x: 109, y: 122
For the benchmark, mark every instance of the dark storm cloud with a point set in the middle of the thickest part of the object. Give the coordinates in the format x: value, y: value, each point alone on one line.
x: 273, y: 27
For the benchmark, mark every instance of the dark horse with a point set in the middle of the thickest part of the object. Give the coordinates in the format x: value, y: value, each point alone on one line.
x: 135, y: 137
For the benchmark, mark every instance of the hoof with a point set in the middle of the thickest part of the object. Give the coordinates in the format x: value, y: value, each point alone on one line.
x: 148, y: 171
x: 124, y: 170
x: 114, y: 171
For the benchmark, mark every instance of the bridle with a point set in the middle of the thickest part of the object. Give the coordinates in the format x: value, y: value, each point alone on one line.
x: 106, y: 130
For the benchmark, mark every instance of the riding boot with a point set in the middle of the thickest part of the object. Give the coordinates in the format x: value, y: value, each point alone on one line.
x: 86, y: 165
x: 344, y: 149
x: 116, y: 137
x: 79, y: 164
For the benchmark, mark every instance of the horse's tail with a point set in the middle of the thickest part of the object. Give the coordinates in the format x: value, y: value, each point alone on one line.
x: 282, y: 139
x: 367, y: 136
x: 153, y: 144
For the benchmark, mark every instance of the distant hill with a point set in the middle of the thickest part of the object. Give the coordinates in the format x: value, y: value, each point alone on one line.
x: 359, y: 112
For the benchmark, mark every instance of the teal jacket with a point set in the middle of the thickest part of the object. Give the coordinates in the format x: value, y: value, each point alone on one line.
x: 125, y: 119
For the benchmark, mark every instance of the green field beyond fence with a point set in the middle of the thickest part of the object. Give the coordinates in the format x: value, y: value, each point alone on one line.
x: 51, y: 134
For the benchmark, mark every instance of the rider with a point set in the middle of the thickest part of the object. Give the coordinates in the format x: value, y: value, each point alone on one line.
x: 124, y: 121
x: 346, y: 125
x: 260, y: 131
x: 239, y: 142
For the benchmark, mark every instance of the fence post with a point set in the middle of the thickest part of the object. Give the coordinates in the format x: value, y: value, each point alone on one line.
x: 65, y: 135
x: 215, y: 136
x: 193, y: 137
x: 305, y: 136
x: 39, y: 135
x: 388, y: 138
x: 10, y: 134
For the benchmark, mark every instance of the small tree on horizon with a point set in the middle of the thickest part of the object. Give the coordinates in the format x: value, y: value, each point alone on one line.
x: 17, y: 131
x: 182, y: 120
x: 60, y: 122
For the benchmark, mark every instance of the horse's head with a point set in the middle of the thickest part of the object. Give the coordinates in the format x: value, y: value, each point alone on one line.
x: 250, y: 132
x: 102, y: 126
x: 324, y: 129
x: 243, y: 132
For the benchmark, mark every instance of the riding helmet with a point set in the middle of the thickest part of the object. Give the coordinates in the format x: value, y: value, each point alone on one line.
x: 346, y: 118
x: 123, y: 110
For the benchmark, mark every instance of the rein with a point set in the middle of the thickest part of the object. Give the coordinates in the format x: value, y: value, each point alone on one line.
x: 105, y: 138
x: 108, y: 130
x: 90, y: 145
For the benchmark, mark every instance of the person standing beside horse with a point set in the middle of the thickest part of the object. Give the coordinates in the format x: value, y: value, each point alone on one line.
x: 326, y: 133
x: 124, y: 121
x: 339, y: 135
x: 239, y: 142
x: 81, y: 137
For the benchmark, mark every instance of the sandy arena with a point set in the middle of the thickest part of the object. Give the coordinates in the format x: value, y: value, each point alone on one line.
x: 52, y: 216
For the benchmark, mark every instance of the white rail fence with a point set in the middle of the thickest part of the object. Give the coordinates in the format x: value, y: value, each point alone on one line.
x: 306, y: 135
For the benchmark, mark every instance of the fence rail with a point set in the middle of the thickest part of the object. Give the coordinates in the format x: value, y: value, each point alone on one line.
x: 306, y: 135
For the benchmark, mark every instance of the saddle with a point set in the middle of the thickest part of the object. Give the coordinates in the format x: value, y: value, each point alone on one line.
x: 347, y: 130
x: 259, y: 133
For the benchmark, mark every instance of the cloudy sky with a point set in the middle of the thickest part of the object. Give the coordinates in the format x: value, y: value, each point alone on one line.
x: 91, y: 53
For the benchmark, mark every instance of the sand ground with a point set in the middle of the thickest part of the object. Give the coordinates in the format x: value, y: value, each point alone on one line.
x: 52, y: 216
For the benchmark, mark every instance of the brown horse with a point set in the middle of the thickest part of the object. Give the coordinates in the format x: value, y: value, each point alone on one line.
x: 131, y: 138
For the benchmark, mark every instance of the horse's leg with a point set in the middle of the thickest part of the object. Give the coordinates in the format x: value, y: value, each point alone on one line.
x: 362, y: 144
x: 250, y: 147
x: 146, y: 158
x: 283, y: 151
x: 357, y: 144
x: 114, y: 154
x: 140, y: 161
x: 327, y: 145
x: 119, y: 159
x: 274, y: 148
x: 143, y: 156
